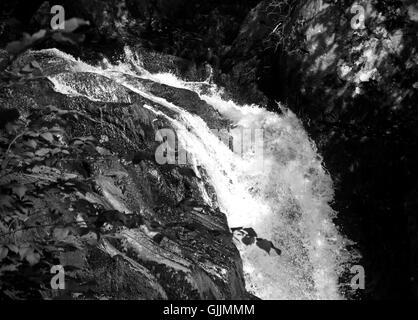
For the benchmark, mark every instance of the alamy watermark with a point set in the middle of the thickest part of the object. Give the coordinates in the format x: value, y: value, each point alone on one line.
x: 358, y: 281
x: 359, y: 19
x: 58, y: 280
x: 58, y: 20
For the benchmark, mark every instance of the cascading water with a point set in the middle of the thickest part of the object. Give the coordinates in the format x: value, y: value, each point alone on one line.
x: 286, y: 200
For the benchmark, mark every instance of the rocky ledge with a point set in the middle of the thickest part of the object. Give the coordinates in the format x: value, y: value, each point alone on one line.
x: 82, y: 177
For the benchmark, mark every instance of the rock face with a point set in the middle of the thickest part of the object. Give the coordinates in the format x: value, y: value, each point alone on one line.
x: 153, y: 236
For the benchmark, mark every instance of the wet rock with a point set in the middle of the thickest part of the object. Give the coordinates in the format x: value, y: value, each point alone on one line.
x: 152, y: 244
x: 247, y: 240
x: 250, y: 232
x: 189, y: 101
x: 267, y: 246
x: 249, y: 237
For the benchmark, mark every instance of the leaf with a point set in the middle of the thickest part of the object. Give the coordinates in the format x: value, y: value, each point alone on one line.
x: 55, y: 151
x: 24, y: 251
x: 33, y: 258
x: 78, y: 143
x: 42, y: 152
x: 19, y: 45
x: 11, y: 128
x: 61, y: 233
x: 29, y: 155
x: 31, y: 143
x: 103, y: 151
x: 58, y: 130
x: 19, y: 216
x: 12, y: 247
x: 3, y: 228
x: 3, y: 252
x: 6, y: 201
x: 77, y: 295
x: 36, y: 65
x: 32, y: 134
x: 27, y: 40
x: 39, y: 35
x: 20, y: 191
x: 74, y: 23
x: 47, y: 136
x: 26, y: 69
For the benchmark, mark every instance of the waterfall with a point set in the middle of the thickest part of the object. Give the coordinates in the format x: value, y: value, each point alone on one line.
x: 286, y: 200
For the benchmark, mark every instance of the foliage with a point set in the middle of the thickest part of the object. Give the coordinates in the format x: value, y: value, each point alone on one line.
x: 41, y: 196
x: 66, y: 35
x: 44, y: 211
x: 285, y: 33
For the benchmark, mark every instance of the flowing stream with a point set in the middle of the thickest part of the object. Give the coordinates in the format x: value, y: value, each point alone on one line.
x: 286, y: 199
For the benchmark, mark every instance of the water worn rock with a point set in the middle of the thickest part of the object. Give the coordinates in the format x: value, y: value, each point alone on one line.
x: 155, y: 238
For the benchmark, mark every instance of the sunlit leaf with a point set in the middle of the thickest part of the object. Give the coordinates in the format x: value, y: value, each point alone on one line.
x: 31, y: 143
x: 27, y: 69
x: 47, y: 136
x: 74, y: 23
x: 36, y: 65
x: 19, y: 190
x: 61, y: 233
x: 42, y: 152
x: 3, y: 252
x: 12, y: 247
x: 39, y: 35
x: 24, y: 251
x: 33, y: 258
x: 103, y: 151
